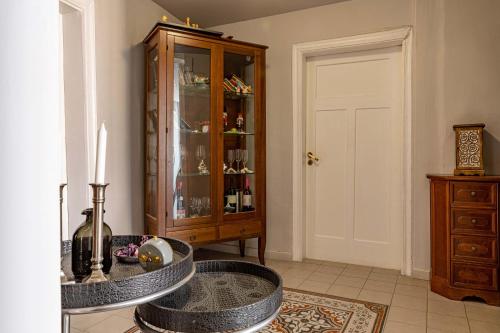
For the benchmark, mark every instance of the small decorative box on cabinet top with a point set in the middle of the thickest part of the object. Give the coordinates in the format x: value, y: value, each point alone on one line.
x: 469, y: 150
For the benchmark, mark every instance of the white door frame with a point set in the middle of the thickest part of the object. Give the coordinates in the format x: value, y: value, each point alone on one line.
x: 87, y: 12
x: 398, y: 37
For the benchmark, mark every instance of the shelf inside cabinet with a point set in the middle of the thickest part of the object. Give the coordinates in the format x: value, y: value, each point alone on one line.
x: 194, y: 132
x: 235, y: 95
x: 193, y: 174
x: 238, y: 173
x: 237, y: 133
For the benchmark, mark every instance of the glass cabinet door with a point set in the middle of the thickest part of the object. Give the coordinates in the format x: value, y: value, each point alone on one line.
x: 189, y: 141
x: 239, y: 134
x: 151, y: 172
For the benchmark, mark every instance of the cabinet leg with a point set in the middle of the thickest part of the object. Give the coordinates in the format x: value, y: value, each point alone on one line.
x: 262, y: 249
x: 242, y: 248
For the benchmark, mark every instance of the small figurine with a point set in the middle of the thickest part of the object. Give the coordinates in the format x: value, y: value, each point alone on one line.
x: 164, y: 18
x: 188, y: 21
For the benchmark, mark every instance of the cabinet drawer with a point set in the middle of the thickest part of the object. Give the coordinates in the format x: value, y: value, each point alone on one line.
x: 236, y: 229
x: 482, y: 222
x: 472, y: 276
x: 474, y: 194
x: 474, y: 248
x: 195, y: 235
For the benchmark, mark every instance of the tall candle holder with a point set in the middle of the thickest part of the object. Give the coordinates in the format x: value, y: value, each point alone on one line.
x: 62, y: 276
x: 98, y: 199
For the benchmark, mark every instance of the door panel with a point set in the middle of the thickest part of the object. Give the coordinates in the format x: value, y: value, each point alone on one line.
x: 354, y: 125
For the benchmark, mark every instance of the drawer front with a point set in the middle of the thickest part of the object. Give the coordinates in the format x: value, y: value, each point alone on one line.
x: 474, y: 248
x: 482, y: 222
x: 471, y: 276
x: 237, y: 229
x: 474, y: 194
x: 195, y: 235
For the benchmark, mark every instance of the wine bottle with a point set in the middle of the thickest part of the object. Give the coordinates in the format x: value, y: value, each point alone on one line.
x: 239, y: 122
x: 180, y: 210
x: 247, y: 196
x: 231, y: 198
x: 224, y: 117
x: 81, y: 248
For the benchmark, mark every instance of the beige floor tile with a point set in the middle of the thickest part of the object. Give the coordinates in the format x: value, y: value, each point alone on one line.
x: 386, y: 271
x: 127, y: 313
x: 412, y: 282
x: 314, y: 286
x: 350, y: 281
x: 359, y: 267
x: 411, y: 291
x: 296, y: 273
x: 74, y: 330
x: 437, y: 297
x: 397, y: 327
x: 83, y: 322
x: 113, y: 324
x: 482, y: 312
x: 383, y: 277
x: 448, y: 307
x: 323, y: 277
x: 409, y: 302
x: 334, y: 264
x: 303, y: 266
x: 343, y: 291
x: 386, y: 287
x: 291, y: 282
x: 447, y: 323
x: 330, y: 270
x: 357, y: 271
x: 410, y: 317
x: 483, y: 327
x: 375, y: 296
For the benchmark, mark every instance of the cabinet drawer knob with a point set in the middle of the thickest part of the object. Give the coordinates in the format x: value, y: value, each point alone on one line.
x: 473, y: 221
x: 242, y: 231
x: 473, y: 193
x: 473, y: 248
x: 192, y: 238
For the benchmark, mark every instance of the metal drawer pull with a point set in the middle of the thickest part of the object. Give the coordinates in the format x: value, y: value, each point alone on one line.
x: 473, y: 248
x: 242, y: 231
x: 473, y: 221
x: 473, y: 193
x: 192, y: 238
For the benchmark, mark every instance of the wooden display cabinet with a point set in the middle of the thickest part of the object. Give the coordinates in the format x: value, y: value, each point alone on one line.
x: 204, y: 138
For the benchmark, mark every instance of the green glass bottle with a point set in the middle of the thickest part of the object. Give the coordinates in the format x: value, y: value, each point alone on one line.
x: 81, y: 248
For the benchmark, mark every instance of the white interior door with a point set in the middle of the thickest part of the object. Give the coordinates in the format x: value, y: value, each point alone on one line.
x: 354, y: 205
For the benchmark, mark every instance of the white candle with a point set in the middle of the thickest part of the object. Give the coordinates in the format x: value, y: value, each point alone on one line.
x: 101, y: 155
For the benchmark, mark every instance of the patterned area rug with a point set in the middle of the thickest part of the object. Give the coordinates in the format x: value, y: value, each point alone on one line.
x: 316, y: 313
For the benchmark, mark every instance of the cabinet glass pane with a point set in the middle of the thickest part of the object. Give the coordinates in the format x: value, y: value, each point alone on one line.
x: 239, y: 133
x: 190, y: 141
x: 152, y: 134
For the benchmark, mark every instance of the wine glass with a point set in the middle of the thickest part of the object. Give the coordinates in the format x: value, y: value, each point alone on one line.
x: 183, y: 154
x: 200, y: 155
x: 244, y: 160
x: 230, y: 160
x: 238, y: 158
x: 205, y: 203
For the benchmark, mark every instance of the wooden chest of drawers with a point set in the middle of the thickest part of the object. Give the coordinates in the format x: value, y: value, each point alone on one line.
x: 464, y: 237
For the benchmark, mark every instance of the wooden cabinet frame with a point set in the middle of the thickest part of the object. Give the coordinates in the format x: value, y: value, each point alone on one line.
x: 218, y: 227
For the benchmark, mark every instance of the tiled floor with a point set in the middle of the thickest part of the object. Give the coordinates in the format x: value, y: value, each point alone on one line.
x: 414, y: 308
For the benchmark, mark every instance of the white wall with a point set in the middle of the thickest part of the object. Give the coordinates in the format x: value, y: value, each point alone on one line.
x: 456, y: 80
x: 121, y: 25
x: 29, y: 170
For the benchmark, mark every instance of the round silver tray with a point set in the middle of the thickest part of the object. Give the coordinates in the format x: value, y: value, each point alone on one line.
x: 129, y: 284
x: 223, y: 296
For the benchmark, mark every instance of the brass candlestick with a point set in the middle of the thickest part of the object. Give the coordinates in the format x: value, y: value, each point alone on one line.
x: 98, y: 199
x: 61, y: 198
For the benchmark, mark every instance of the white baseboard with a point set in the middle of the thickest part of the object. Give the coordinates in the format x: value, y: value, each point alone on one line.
x: 420, y: 273
x: 250, y: 251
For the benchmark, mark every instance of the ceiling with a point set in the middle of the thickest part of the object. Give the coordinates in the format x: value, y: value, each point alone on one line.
x: 209, y: 13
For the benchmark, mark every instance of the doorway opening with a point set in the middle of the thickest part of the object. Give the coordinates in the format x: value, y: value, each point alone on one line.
x: 330, y: 55
x: 77, y: 119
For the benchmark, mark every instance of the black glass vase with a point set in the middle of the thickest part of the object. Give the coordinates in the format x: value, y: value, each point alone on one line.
x: 81, y: 248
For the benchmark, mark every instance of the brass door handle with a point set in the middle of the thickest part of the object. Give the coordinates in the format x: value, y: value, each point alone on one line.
x: 312, y: 158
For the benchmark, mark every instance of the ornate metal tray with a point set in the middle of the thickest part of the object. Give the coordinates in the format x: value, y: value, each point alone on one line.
x: 129, y: 284
x: 222, y: 296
